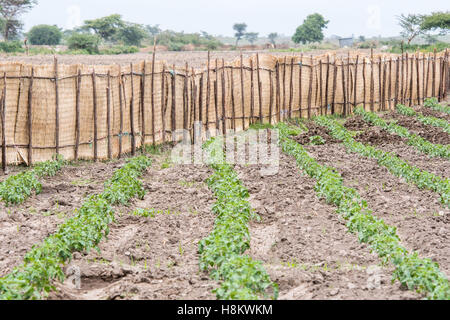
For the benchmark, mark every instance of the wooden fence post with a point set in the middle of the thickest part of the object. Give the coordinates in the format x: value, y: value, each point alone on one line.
x: 3, y: 118
x: 242, y: 93
x: 108, y: 114
x: 94, y: 95
x: 30, y: 119
x: 133, y: 131
x: 56, y: 106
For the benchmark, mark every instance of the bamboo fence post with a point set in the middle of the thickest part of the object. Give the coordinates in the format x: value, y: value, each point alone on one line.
x: 252, y: 93
x: 284, y: 86
x: 355, y: 87
x: 411, y: 85
x: 133, y: 131
x: 344, y: 88
x: 423, y: 78
x: 233, y: 103
x: 349, y: 82
x: 173, y: 113
x: 3, y: 116
x: 30, y: 119
x: 405, y: 97
x: 259, y: 88
x: 301, y: 85
x: 185, y: 101
x: 194, y: 105
x: 271, y: 97
x: 121, y: 98
x: 397, y: 84
x: 153, y: 92
x: 163, y: 109
x: 200, y: 100
x: 333, y: 99
x: 402, y: 76
x: 385, y: 65
x: 311, y: 76
x: 418, y: 78
x: 390, y: 84
x: 56, y: 106
x: 291, y: 87
x: 94, y: 91
x: 242, y: 93
x: 441, y: 78
x: 433, y: 86
x: 224, y: 116
x: 77, y: 114
x: 364, y: 83
x: 208, y: 90
x: 428, y: 76
x: 372, y: 84
x: 380, y: 87
x: 278, y: 97
x: 321, y: 86
x: 143, y: 109
x: 327, y: 84
x: 108, y: 114
x: 216, y: 95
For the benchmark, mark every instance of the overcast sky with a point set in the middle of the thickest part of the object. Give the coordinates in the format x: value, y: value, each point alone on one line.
x: 358, y: 17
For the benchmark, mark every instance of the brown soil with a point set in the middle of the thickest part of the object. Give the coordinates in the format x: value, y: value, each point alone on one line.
x: 421, y: 219
x: 388, y: 142
x: 29, y: 224
x: 153, y: 258
x: 305, y: 246
x: 428, y: 112
x: 314, y: 130
x: 432, y: 134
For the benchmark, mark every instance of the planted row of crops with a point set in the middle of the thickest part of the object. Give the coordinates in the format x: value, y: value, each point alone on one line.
x: 16, y: 189
x: 431, y: 121
x: 222, y: 252
x: 83, y: 232
x: 433, y: 103
x: 418, y: 274
x: 421, y: 144
x: 401, y: 168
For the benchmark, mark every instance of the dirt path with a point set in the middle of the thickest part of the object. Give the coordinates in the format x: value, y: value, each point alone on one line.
x: 388, y: 142
x: 153, y: 258
x: 422, y: 221
x: 304, y: 245
x: 30, y: 223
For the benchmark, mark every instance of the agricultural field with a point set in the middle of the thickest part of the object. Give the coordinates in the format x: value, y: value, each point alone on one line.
x: 359, y: 209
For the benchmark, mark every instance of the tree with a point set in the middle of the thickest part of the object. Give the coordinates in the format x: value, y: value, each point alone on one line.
x: 311, y: 30
x: 240, y: 29
x: 131, y: 34
x: 153, y: 30
x: 411, y: 26
x: 273, y: 38
x: 45, y: 35
x: 105, y: 27
x: 83, y: 41
x: 362, y: 39
x: 10, y: 11
x: 436, y: 21
x: 251, y: 37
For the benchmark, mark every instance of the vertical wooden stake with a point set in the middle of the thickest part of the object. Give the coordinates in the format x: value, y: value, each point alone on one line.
x: 355, y: 86
x: 333, y: 99
x: 380, y: 86
x: 216, y: 95
x: 411, y: 85
x: 77, y: 115
x: 284, y: 87
x: 143, y: 106
x: 233, y: 103
x: 94, y: 91
x: 321, y: 86
x: 344, y: 89
x: 121, y: 99
x: 242, y: 92
x: 311, y: 76
x: 372, y: 84
x: 364, y: 83
x: 163, y: 99
x: 224, y: 114
x: 291, y: 88
x: 252, y: 93
x: 200, y: 100
x: 208, y: 90
x: 185, y: 101
x: 397, y: 84
x: 30, y: 119
x: 153, y: 93
x: 56, y: 106
x: 3, y: 118
x: 133, y: 131
x: 271, y: 97
x: 259, y: 89
x: 174, y: 100
x: 327, y: 84
x: 384, y: 86
x: 405, y: 97
x: 277, y: 88
x: 402, y: 76
x: 418, y: 78
x: 390, y: 84
x: 433, y: 86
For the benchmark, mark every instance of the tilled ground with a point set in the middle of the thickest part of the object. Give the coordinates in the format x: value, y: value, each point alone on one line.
x: 388, y: 142
x: 28, y: 224
x: 152, y: 258
x: 305, y: 246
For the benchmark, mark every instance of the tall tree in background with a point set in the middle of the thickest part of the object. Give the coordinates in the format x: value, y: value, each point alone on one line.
x: 311, y: 30
x: 437, y: 21
x: 411, y: 26
x: 240, y: 29
x: 105, y: 27
x: 10, y: 11
x: 273, y: 38
x: 251, y: 37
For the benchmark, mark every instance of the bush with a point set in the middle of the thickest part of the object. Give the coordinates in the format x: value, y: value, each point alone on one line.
x: 440, y: 46
x: 45, y: 35
x: 11, y: 46
x: 85, y: 42
x: 120, y: 50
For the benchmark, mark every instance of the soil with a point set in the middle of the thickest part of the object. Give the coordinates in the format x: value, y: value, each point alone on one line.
x: 305, y: 246
x: 314, y: 130
x: 428, y: 112
x: 152, y: 258
x: 421, y: 219
x: 388, y: 142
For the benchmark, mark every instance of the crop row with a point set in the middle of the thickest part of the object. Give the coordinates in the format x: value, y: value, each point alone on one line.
x: 401, y: 168
x: 222, y: 252
x: 418, y: 274
x: 433, y: 103
x: 83, y: 232
x: 423, y: 145
x: 16, y: 189
x: 431, y: 121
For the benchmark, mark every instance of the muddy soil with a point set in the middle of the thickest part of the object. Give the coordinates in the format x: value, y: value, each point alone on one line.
x: 422, y: 221
x: 432, y: 134
x: 314, y: 130
x: 388, y: 142
x: 152, y: 258
x: 428, y: 112
x: 305, y: 246
x: 30, y: 223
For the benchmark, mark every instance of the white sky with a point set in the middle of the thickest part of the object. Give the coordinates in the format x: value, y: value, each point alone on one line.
x: 363, y: 17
